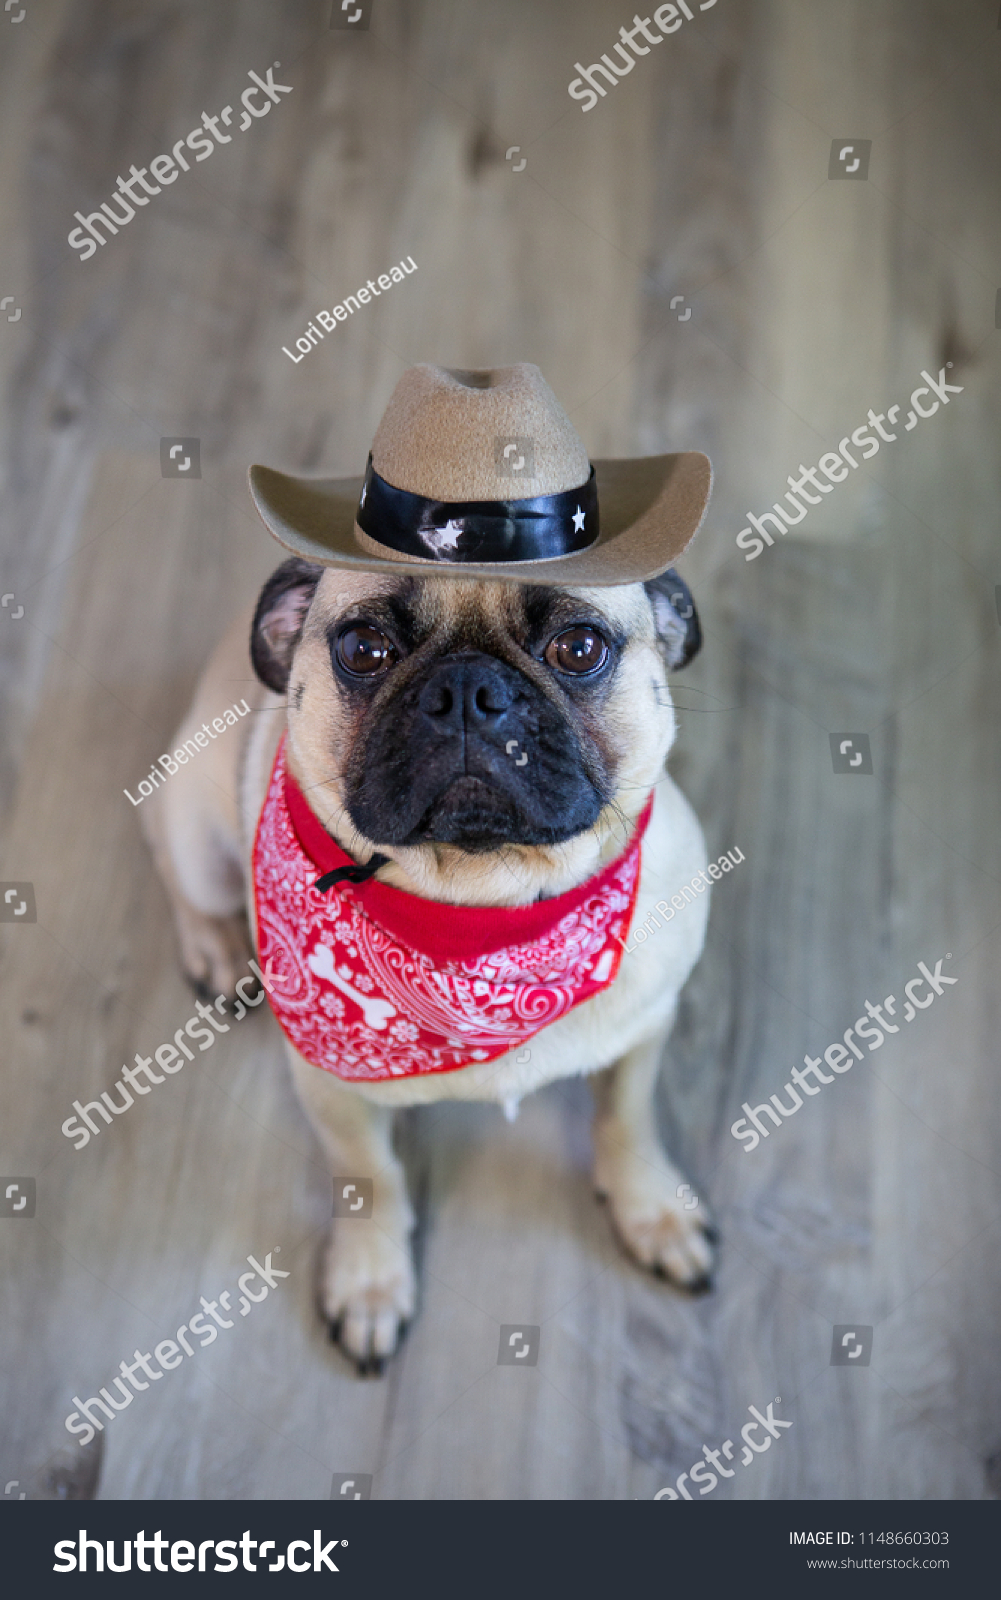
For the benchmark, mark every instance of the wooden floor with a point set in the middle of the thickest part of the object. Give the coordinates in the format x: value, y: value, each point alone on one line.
x: 704, y: 174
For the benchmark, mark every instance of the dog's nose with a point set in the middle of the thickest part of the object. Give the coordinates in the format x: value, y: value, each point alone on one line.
x: 466, y: 693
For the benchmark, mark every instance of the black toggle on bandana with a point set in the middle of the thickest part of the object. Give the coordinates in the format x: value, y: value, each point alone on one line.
x: 479, y: 530
x: 353, y: 874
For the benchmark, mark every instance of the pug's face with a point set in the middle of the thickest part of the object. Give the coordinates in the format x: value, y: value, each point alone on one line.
x: 492, y: 738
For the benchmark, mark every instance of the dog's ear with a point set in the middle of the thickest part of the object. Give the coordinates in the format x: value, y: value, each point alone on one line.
x: 278, y: 619
x: 675, y: 617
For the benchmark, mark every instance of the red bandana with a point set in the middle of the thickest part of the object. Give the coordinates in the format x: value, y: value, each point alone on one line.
x: 371, y: 983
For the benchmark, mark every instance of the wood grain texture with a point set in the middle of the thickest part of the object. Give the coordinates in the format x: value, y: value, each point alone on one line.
x: 704, y: 174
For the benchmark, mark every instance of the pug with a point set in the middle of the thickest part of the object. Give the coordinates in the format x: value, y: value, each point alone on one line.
x: 483, y: 754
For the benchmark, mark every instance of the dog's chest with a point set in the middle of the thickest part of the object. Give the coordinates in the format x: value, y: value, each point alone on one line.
x: 636, y: 1006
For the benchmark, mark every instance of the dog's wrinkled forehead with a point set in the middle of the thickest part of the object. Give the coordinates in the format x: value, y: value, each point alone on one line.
x: 460, y: 613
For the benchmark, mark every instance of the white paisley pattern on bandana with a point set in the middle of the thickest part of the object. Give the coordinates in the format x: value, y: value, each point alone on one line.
x: 356, y: 1001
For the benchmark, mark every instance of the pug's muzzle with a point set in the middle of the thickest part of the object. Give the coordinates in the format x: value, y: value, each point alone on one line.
x: 471, y: 753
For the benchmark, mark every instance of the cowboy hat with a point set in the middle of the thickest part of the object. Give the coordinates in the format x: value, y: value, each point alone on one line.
x: 482, y: 475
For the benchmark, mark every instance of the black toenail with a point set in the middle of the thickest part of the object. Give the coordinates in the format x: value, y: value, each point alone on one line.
x: 701, y: 1285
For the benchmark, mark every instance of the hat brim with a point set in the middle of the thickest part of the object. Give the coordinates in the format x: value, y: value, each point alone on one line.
x: 650, y: 509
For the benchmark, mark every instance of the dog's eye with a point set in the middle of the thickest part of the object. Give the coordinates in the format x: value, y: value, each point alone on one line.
x: 578, y: 650
x: 363, y: 651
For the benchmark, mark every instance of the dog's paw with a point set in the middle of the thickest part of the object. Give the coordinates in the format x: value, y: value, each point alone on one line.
x: 215, y: 951
x: 670, y: 1243
x: 367, y: 1292
x: 654, y: 1216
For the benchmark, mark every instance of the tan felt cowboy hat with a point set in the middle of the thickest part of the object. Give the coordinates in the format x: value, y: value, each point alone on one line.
x: 481, y: 475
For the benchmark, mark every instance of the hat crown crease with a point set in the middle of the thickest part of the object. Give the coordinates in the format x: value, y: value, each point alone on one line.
x: 441, y: 435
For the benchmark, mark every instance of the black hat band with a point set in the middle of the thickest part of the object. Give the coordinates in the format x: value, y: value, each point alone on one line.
x: 479, y: 530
